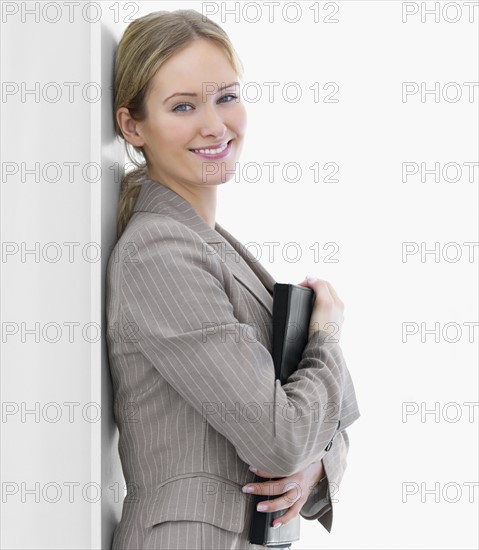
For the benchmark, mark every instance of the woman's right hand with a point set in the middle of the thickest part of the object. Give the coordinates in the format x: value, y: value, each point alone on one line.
x: 327, y: 310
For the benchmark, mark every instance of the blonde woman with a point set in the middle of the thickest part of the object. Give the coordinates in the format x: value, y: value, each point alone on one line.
x: 189, y: 316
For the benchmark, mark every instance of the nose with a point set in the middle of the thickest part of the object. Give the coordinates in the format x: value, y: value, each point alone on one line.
x: 212, y: 123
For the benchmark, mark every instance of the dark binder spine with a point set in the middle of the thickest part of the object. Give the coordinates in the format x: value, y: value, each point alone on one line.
x: 281, y: 295
x: 261, y: 522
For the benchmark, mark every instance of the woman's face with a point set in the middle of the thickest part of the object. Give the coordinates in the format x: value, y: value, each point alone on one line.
x: 207, y: 118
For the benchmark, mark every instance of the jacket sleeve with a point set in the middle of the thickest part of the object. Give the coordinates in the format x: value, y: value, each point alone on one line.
x: 319, y: 504
x: 173, y: 294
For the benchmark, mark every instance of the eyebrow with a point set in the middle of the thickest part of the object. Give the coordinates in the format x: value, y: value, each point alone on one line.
x: 194, y: 95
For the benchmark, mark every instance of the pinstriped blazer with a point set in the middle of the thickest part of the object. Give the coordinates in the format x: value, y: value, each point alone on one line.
x: 189, y: 336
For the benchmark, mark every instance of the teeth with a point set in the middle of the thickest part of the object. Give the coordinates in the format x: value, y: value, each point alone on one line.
x: 211, y: 151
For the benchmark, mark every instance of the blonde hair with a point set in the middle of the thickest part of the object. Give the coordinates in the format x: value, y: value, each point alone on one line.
x: 145, y: 45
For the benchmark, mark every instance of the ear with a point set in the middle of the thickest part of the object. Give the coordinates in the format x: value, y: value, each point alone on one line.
x: 130, y: 128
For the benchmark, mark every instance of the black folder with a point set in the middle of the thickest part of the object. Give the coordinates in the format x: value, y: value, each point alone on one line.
x: 292, y: 308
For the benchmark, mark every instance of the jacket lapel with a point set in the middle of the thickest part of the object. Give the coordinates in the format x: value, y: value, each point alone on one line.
x: 160, y: 199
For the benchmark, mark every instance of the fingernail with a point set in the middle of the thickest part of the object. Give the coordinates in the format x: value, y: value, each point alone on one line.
x: 261, y: 507
x: 311, y: 279
x: 277, y: 525
x: 253, y: 469
x: 248, y: 489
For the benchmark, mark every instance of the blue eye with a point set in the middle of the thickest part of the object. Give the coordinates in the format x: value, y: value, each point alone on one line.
x: 176, y: 110
x: 229, y: 95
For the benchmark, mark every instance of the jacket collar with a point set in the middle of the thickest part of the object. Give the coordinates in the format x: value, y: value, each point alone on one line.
x: 158, y: 198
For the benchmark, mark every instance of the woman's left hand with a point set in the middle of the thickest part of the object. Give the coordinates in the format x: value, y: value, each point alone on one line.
x: 294, y: 491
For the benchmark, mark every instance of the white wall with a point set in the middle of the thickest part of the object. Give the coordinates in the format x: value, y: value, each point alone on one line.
x: 61, y: 480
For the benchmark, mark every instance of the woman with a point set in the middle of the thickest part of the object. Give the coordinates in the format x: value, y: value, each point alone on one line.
x: 189, y: 316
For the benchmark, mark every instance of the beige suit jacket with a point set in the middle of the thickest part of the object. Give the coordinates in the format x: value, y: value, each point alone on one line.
x: 189, y: 320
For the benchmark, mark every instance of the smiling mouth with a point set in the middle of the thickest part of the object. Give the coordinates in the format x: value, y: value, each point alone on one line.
x: 213, y: 152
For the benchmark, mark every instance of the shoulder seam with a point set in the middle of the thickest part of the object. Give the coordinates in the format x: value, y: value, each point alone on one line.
x: 175, y: 223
